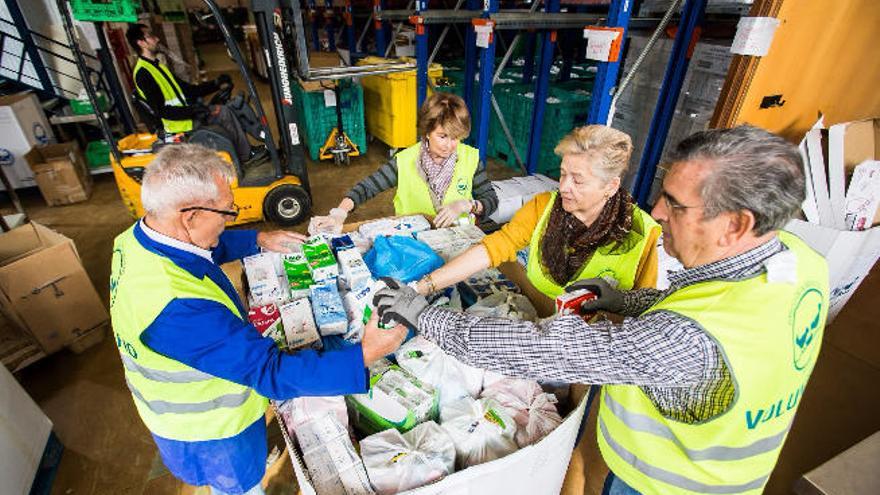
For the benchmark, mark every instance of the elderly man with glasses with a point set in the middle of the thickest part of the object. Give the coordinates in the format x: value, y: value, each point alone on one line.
x: 198, y: 371
x: 701, y: 380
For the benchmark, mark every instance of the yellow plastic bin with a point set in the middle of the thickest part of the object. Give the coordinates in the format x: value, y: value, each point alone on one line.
x: 390, y: 103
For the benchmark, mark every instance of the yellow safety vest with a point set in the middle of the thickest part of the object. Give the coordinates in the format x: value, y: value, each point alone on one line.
x: 769, y: 332
x: 618, y: 260
x: 170, y: 90
x: 413, y: 195
x: 174, y: 400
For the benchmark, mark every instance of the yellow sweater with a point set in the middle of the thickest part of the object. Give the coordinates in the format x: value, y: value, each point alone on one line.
x: 516, y: 234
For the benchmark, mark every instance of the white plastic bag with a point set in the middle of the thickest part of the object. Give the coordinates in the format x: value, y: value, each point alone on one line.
x: 481, y: 430
x: 427, y: 362
x: 398, y: 462
x: 533, y: 410
x: 508, y: 305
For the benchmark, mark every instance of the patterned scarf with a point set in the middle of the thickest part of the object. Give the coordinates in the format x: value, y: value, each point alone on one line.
x: 438, y: 175
x: 568, y: 243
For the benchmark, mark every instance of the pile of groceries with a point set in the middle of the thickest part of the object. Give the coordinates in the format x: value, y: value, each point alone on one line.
x: 426, y: 415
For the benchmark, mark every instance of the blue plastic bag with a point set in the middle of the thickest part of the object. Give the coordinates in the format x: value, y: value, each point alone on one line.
x: 402, y: 258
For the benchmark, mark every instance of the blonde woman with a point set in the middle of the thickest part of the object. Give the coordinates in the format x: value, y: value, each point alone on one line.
x: 438, y: 176
x: 589, y: 228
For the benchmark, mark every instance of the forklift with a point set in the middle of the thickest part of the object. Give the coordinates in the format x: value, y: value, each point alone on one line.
x: 277, y: 190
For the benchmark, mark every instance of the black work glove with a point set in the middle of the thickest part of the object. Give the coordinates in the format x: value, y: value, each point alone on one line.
x: 399, y: 303
x: 607, y: 298
x: 223, y: 80
x: 200, y: 112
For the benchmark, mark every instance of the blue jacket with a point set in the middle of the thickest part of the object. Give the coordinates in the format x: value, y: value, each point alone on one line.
x: 207, y: 336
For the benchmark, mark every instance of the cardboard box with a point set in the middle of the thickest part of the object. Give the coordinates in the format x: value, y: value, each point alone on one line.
x: 44, y: 289
x: 538, y: 468
x: 61, y: 173
x: 23, y: 125
x: 852, y: 471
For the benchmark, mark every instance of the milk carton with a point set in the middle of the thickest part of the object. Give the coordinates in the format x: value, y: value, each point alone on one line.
x: 299, y: 328
x: 328, y: 309
x: 267, y: 320
x: 322, y: 264
x: 264, y: 280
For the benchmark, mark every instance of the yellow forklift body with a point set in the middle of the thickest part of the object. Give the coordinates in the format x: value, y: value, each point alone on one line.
x: 248, y: 199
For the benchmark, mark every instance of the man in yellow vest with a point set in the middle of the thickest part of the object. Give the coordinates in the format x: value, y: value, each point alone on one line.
x: 175, y: 102
x: 198, y: 371
x: 702, y: 380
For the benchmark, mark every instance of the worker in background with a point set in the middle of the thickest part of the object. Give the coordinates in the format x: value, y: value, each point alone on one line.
x: 198, y: 371
x: 439, y: 175
x: 702, y: 380
x: 175, y: 101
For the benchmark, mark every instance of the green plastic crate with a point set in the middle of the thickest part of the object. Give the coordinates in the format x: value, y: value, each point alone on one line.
x: 567, y: 107
x: 84, y: 107
x: 318, y: 120
x: 98, y: 154
x: 104, y: 10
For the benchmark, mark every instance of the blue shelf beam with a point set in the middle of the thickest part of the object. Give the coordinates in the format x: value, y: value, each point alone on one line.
x: 487, y: 67
x: 619, y: 13
x: 542, y: 86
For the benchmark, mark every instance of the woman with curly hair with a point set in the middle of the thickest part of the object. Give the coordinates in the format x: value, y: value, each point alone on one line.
x: 589, y: 228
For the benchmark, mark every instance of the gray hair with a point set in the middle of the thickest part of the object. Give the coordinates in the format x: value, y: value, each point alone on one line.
x: 752, y: 169
x: 182, y: 175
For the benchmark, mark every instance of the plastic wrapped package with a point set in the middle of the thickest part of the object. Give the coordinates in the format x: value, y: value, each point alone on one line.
x: 398, y: 462
x: 533, y: 410
x: 333, y: 464
x: 322, y: 264
x: 301, y: 410
x: 267, y: 320
x: 299, y: 326
x: 353, y: 272
x: 328, y: 309
x: 401, y: 258
x: 396, y: 399
x: 427, y: 362
x: 299, y: 277
x: 263, y: 279
x: 406, y: 226
x: 481, y: 430
x: 507, y: 305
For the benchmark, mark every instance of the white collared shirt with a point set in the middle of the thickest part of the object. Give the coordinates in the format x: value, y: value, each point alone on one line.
x: 176, y: 244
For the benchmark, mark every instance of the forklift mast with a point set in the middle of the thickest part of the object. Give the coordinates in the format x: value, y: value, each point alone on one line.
x: 276, y: 29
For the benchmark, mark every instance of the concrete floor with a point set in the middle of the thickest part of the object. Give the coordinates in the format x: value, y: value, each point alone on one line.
x: 108, y: 450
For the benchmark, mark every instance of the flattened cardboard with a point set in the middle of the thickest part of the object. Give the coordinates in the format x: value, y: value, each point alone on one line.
x: 45, y: 289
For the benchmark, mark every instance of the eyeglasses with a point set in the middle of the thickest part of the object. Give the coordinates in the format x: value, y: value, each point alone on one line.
x: 229, y: 213
x: 673, y: 205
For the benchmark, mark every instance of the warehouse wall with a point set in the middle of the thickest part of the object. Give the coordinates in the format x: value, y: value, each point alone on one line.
x: 823, y: 60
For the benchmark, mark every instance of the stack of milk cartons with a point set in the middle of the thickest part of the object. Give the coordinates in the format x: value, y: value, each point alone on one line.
x: 277, y: 311
x: 327, y: 304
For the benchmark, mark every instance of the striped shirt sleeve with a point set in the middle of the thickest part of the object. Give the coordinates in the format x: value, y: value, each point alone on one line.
x: 485, y: 193
x: 381, y: 180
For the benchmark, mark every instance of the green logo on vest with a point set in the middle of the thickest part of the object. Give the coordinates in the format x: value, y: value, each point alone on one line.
x: 461, y: 186
x: 118, y: 266
x: 806, y: 322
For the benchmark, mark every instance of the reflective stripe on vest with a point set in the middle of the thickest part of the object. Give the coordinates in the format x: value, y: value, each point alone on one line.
x: 174, y: 400
x: 170, y: 91
x: 413, y: 194
x: 619, y: 261
x: 768, y: 329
